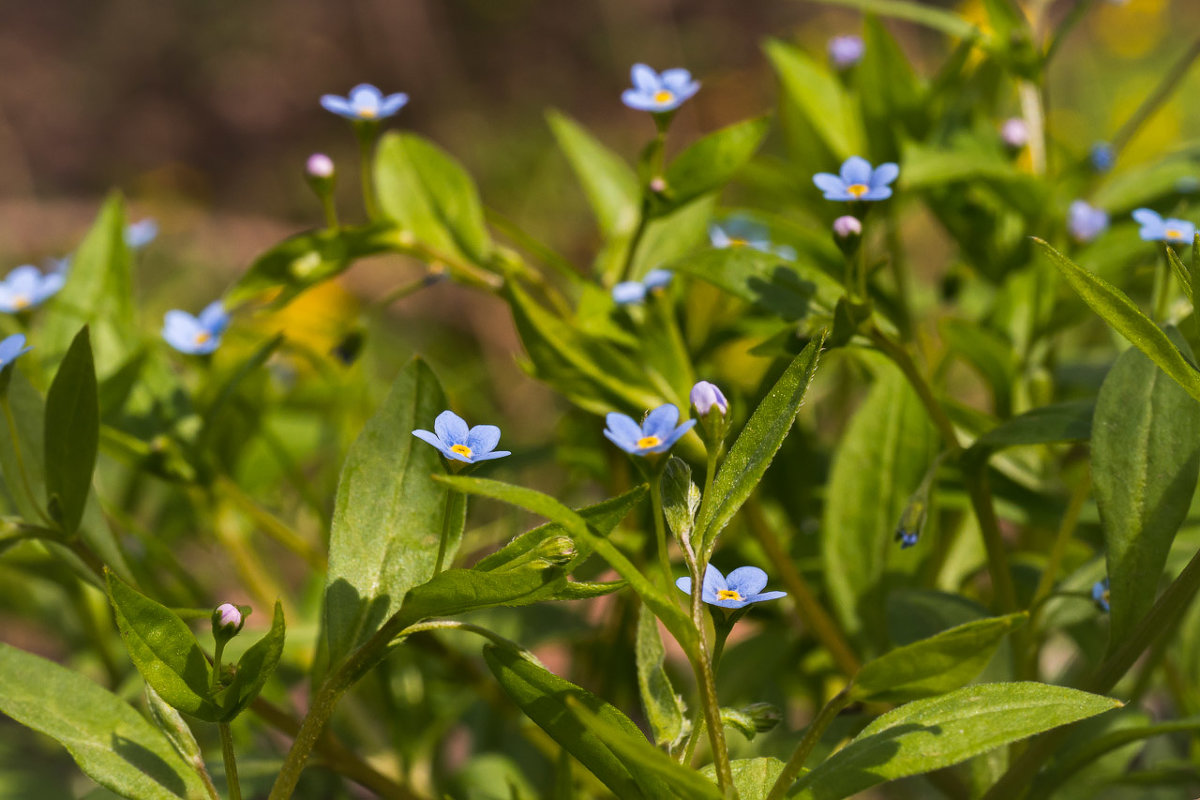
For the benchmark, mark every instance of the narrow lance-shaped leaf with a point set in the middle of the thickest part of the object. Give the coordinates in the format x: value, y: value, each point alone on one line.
x: 72, y: 434
x: 821, y: 97
x: 609, y: 183
x: 664, y: 709
x: 255, y: 666
x: 709, y: 164
x: 1145, y: 464
x: 111, y: 742
x: 931, y: 734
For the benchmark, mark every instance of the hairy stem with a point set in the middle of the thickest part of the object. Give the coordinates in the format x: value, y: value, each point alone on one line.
x: 231, y: 773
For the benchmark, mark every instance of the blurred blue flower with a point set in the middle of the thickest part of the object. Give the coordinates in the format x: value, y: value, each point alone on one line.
x: 1157, y: 229
x: 846, y: 51
x: 459, y: 443
x: 1100, y: 594
x: 907, y: 538
x: 365, y: 102
x: 659, y: 92
x: 739, y: 232
x: 858, y: 181
x: 630, y: 292
x: 141, y: 233
x: 656, y: 434
x: 196, y: 335
x: 26, y: 287
x: 12, y: 347
x: 1086, y: 222
x: 742, y: 587
x: 1102, y: 156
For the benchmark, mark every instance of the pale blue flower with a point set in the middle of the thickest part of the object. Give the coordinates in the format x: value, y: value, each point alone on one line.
x: 1157, y: 229
x: 846, y: 51
x: 858, y: 181
x: 141, y: 233
x: 1100, y: 594
x: 459, y: 443
x: 657, y: 433
x: 26, y: 287
x: 1086, y: 222
x: 365, y: 102
x: 196, y: 335
x: 739, y: 232
x: 739, y: 589
x: 659, y: 92
x: 705, y: 396
x: 631, y: 292
x: 12, y: 347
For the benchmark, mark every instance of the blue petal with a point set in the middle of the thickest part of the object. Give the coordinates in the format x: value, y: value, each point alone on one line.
x: 180, y: 330
x: 879, y: 193
x: 638, y: 100
x: 644, y: 79
x: 623, y: 427
x: 493, y: 454
x: 884, y: 174
x: 675, y: 436
x: 213, y: 318
x: 685, y: 583
x: 714, y: 582
x: 829, y: 183
x: 758, y: 598
x: 747, y: 580
x: 856, y: 170
x: 141, y: 233
x: 677, y: 79
x: 11, y: 347
x: 729, y: 603
x: 431, y: 438
x: 483, y: 439
x: 365, y: 95
x: 1147, y: 217
x: 657, y: 278
x: 718, y: 237
x: 627, y: 292
x: 338, y: 105
x: 51, y: 284
x: 24, y: 280
x: 621, y: 442
x: 451, y: 428
x: 661, y: 421
x: 393, y: 103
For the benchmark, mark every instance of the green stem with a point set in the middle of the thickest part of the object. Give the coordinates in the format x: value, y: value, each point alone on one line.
x: 231, y: 773
x: 975, y: 476
x: 660, y: 531
x: 796, y: 763
x: 365, y: 133
x: 1058, y: 551
x: 1161, y: 296
x: 904, y: 361
x: 445, y: 537
x: 330, y: 208
x: 1077, y: 13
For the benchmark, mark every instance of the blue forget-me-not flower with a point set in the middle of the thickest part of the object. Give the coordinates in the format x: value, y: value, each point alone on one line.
x: 739, y: 589
x: 739, y: 232
x: 1086, y: 222
x: 364, y: 102
x: 1157, y: 229
x: 657, y: 433
x: 659, y: 91
x: 196, y: 335
x: 141, y: 233
x: 12, y: 347
x: 1100, y: 594
x: 26, y: 287
x: 459, y: 443
x: 629, y: 292
x: 858, y: 181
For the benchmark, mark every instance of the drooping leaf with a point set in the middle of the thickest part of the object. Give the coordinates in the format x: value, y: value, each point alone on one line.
x: 931, y: 734
x: 664, y: 708
x: 609, y: 183
x: 254, y: 668
x: 1145, y: 464
x: 709, y: 164
x: 933, y: 666
x: 111, y: 742
x: 72, y: 434
x: 387, y: 519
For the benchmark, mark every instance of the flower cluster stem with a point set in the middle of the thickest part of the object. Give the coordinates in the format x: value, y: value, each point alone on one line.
x: 365, y: 133
x: 231, y: 773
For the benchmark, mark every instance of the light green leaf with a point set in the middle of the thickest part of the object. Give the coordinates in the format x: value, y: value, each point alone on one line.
x: 72, y: 434
x: 935, y: 665
x: 1128, y: 320
x: 681, y: 498
x: 891, y: 94
x: 164, y: 650
x: 112, y: 743
x: 752, y: 777
x: 819, y: 95
x: 1181, y: 271
x: 1145, y: 464
x: 931, y: 734
x: 174, y: 727
x: 664, y: 708
x: 880, y: 461
x: 387, y: 519
x: 428, y: 193
x: 1059, y: 422
x: 609, y: 183
x: 255, y: 666
x: 673, y: 236
x: 709, y: 164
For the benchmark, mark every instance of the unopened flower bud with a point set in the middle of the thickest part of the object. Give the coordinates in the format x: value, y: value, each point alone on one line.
x: 227, y: 620
x: 764, y: 716
x: 1015, y: 133
x: 658, y: 184
x: 319, y: 165
x: 705, y: 396
x: 846, y: 227
x: 557, y: 550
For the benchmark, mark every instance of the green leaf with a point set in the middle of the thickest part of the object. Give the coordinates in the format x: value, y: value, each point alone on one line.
x: 543, y: 697
x: 820, y: 96
x: 709, y: 164
x: 1059, y: 422
x: 752, y: 777
x: 891, y: 93
x: 609, y: 183
x: 757, y: 444
x: 254, y: 668
x: 881, y: 460
x: 935, y: 665
x: 681, y: 498
x: 931, y: 734
x: 304, y: 260
x: 930, y: 16
x: 1127, y: 319
x: 793, y: 291
x: 172, y: 725
x: 1181, y: 271
x: 72, y: 434
x: 99, y: 293
x: 428, y: 193
x: 164, y: 650
x: 388, y: 515
x: 111, y: 742
x: 664, y: 709
x: 1145, y: 464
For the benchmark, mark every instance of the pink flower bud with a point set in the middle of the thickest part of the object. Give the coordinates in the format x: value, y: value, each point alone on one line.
x: 1015, y: 133
x: 705, y: 396
x: 658, y: 185
x: 320, y: 166
x: 229, y: 616
x: 845, y: 227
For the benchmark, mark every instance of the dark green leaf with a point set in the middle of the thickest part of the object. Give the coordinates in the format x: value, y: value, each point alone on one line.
x: 609, y: 183
x: 1059, y: 422
x: 752, y: 777
x: 709, y: 164
x: 72, y: 433
x: 110, y: 741
x: 1145, y: 464
x: 791, y: 290
x: 664, y: 709
x: 254, y: 668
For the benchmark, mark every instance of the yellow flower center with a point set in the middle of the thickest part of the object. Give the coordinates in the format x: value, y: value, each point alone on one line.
x: 728, y: 594
x: 738, y: 243
x: 664, y: 96
x: 20, y: 302
x: 1174, y: 233
x: 202, y: 337
x: 367, y: 113
x: 858, y: 189
x: 649, y: 441
x: 462, y: 450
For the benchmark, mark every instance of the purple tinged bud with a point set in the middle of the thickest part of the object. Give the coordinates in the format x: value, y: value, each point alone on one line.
x: 846, y: 51
x: 845, y: 227
x: 705, y: 396
x: 658, y: 184
x: 1015, y: 133
x: 228, y: 616
x: 319, y: 165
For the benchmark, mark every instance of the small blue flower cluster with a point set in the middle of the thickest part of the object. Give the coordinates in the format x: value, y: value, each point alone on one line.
x: 736, y: 590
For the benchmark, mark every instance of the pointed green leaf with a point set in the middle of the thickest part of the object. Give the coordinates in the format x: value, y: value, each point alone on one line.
x: 111, y: 742
x: 609, y: 183
x: 72, y: 433
x: 709, y: 164
x: 933, y: 666
x: 164, y: 650
x: 821, y: 97
x: 664, y: 709
x: 173, y: 726
x: 254, y: 668
x: 1145, y: 464
x: 387, y: 518
x: 1059, y: 422
x: 931, y: 734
